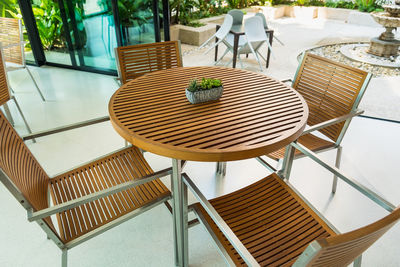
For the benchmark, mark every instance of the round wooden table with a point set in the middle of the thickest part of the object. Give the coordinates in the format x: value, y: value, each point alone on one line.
x: 256, y: 115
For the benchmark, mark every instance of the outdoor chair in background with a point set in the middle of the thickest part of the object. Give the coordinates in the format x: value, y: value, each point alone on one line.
x: 333, y: 92
x: 269, y: 223
x: 135, y: 60
x: 221, y: 34
x: 237, y: 16
x: 6, y: 95
x: 261, y: 15
x: 12, y: 39
x: 88, y: 199
x: 255, y: 38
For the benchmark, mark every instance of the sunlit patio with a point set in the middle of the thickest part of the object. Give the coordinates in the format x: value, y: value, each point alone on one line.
x: 370, y: 156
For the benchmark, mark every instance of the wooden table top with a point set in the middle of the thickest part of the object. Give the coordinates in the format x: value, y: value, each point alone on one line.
x: 256, y: 115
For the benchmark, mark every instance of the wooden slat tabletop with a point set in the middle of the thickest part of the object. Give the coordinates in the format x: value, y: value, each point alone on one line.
x: 256, y: 115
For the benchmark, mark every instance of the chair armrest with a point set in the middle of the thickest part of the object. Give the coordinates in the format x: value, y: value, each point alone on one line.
x: 65, y: 128
x: 333, y: 121
x: 118, y: 81
x: 240, y: 248
x: 37, y: 215
x: 287, y: 80
x: 355, y: 184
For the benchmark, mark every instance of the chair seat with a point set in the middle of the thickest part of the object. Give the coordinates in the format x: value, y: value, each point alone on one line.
x: 312, y: 142
x: 117, y: 168
x: 270, y: 219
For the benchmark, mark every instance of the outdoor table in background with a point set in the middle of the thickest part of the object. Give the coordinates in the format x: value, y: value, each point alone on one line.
x: 237, y: 31
x: 256, y: 115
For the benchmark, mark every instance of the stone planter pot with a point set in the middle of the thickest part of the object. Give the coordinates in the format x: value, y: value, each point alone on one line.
x: 204, y: 95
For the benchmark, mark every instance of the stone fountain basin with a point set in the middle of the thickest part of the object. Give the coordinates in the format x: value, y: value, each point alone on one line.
x: 385, y: 19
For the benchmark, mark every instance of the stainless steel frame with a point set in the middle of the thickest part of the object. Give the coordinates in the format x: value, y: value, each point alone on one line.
x: 240, y: 248
x: 347, y: 118
x: 6, y: 108
x: 65, y: 128
x: 24, y: 66
x: 313, y: 247
x: 180, y: 214
x: 358, y: 186
x: 221, y: 168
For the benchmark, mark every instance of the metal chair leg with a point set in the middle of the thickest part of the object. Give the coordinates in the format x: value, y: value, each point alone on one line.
x: 337, y: 165
x: 23, y: 117
x: 64, y: 258
x: 8, y: 114
x: 37, y: 87
x: 357, y: 262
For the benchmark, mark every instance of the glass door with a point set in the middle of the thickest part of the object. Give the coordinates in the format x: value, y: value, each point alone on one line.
x: 83, y: 33
x: 138, y: 21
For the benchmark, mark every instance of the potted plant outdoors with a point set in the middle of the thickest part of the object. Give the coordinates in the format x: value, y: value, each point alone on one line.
x: 204, y: 91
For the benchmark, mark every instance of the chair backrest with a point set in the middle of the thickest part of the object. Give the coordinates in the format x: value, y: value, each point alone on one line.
x: 254, y: 30
x: 264, y: 20
x: 237, y: 16
x: 225, y: 27
x: 342, y: 249
x: 331, y: 89
x: 11, y: 34
x: 4, y: 89
x: 136, y: 60
x: 21, y: 167
x: 255, y: 34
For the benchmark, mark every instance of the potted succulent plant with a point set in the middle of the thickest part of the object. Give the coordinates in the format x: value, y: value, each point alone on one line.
x: 206, y: 90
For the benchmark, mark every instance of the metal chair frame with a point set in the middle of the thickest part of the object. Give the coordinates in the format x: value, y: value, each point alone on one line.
x: 11, y: 96
x: 355, y: 111
x: 22, y: 43
x: 284, y: 173
x: 38, y: 216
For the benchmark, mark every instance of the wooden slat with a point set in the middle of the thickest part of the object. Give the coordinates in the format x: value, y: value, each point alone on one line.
x: 342, y: 249
x: 10, y: 33
x: 137, y: 60
x: 255, y: 115
x: 114, y: 169
x: 21, y: 167
x: 4, y: 90
x: 278, y: 226
x: 330, y: 89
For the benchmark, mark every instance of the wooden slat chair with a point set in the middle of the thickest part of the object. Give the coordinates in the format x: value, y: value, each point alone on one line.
x: 5, y: 94
x: 11, y: 36
x: 136, y: 60
x: 333, y: 92
x: 269, y: 223
x: 87, y: 200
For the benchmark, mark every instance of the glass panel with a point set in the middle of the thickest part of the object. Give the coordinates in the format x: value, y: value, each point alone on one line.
x: 51, y: 31
x: 92, y: 28
x: 137, y: 23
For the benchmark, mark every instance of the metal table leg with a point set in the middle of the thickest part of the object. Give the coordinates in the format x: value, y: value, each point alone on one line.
x: 221, y: 168
x: 235, y: 49
x: 180, y: 215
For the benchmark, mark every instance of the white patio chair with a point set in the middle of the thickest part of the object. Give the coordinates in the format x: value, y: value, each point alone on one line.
x: 11, y: 37
x: 261, y: 15
x: 255, y: 37
x: 221, y: 33
x: 237, y: 16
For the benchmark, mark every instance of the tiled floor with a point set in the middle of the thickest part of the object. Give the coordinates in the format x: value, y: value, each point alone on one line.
x: 370, y: 155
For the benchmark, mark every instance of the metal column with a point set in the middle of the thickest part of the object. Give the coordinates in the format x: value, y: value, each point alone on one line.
x: 180, y: 215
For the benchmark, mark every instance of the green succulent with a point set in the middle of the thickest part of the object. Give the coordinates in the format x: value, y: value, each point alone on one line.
x: 205, y: 84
